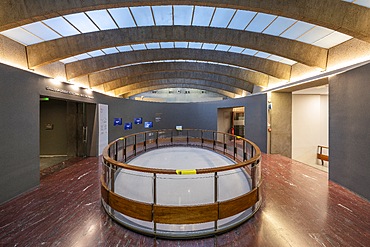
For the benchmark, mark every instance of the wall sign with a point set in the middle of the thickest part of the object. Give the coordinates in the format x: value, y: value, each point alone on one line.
x: 63, y: 91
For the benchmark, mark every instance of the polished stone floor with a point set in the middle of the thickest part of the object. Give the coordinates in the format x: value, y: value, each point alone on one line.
x: 300, y: 208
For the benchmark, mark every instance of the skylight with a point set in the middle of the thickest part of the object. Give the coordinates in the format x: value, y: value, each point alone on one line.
x: 167, y: 15
x: 365, y: 3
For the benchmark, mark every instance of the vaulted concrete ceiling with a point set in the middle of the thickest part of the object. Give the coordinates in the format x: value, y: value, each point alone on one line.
x: 340, y: 16
x: 106, y: 76
x: 91, y: 65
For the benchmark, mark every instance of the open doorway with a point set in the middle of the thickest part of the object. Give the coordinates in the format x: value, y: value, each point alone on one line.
x: 66, y: 129
x: 231, y: 120
x: 310, y: 126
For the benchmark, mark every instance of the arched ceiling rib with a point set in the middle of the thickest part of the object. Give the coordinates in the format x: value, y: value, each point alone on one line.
x: 338, y: 15
x: 221, y: 79
x: 176, y: 81
x: 54, y: 50
x: 253, y: 77
x: 163, y: 86
x: 88, y: 66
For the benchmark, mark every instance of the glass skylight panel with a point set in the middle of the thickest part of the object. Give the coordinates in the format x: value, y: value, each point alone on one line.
x: 61, y: 26
x: 143, y: 16
x: 262, y: 54
x: 241, y: 19
x: 167, y: 44
x: 162, y: 15
x: 138, y: 47
x: 20, y: 35
x: 260, y: 22
x: 82, y: 22
x: 222, y: 17
x: 82, y: 56
x: 183, y: 15
x: 202, y: 16
x: 153, y: 45
x: 315, y: 34
x: 333, y: 39
x: 297, y: 30
x: 181, y: 44
x: 96, y: 53
x: 42, y: 31
x: 195, y: 45
x: 123, y: 17
x: 275, y: 58
x: 102, y: 19
x: 69, y: 60
x: 288, y: 61
x: 207, y: 46
x: 365, y: 3
x: 279, y: 25
x: 249, y: 52
x: 236, y: 49
x: 124, y: 48
x: 223, y: 47
x: 110, y: 50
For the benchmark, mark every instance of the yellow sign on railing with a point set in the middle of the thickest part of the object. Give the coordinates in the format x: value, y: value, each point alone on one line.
x: 186, y: 172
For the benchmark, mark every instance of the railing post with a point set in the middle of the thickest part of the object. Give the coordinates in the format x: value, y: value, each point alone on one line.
x: 225, y: 147
x: 214, y: 140
x: 244, y: 151
x: 116, y: 150
x: 156, y: 139
x: 187, y: 138
x: 201, y: 137
x: 216, y: 198
x: 135, y: 144
x: 154, y: 200
x: 124, y: 149
x: 145, y: 141
x: 235, y: 149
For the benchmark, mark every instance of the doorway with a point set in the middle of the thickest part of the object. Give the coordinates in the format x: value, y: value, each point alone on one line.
x: 66, y: 129
x: 231, y: 120
x: 310, y: 126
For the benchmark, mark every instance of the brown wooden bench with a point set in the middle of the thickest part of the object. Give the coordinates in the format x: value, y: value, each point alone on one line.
x: 320, y: 155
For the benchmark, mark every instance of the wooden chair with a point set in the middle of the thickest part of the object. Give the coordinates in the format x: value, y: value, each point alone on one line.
x: 320, y: 155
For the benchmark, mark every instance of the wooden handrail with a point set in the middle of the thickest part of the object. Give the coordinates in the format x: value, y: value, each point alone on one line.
x: 181, y: 214
x: 252, y: 160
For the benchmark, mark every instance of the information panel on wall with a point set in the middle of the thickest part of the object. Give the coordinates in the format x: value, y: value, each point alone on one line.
x: 103, y: 127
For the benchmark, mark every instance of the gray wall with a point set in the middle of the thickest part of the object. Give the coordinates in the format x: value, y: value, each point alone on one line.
x: 19, y: 132
x: 281, y: 124
x: 349, y: 133
x: 190, y: 115
x: 20, y: 129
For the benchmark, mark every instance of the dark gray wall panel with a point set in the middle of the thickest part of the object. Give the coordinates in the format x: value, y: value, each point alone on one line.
x: 349, y: 134
x: 53, y: 141
x: 19, y: 132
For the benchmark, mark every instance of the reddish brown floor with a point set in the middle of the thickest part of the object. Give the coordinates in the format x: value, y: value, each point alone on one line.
x: 300, y: 208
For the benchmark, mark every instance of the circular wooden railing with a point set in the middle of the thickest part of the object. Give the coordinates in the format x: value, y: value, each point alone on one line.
x: 118, y: 153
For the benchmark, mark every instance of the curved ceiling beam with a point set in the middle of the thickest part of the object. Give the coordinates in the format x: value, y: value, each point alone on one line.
x: 222, y: 79
x: 341, y: 16
x: 253, y: 77
x: 157, y: 87
x: 91, y: 65
x: 183, y: 81
x: 54, y: 50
